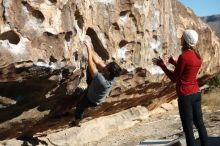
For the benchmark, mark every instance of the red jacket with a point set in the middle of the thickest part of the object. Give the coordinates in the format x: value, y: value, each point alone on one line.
x: 186, y: 69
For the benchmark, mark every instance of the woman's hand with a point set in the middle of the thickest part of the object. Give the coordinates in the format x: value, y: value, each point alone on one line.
x: 166, y: 57
x: 158, y: 62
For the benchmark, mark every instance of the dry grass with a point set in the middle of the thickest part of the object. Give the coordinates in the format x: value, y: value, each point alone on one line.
x: 211, y: 99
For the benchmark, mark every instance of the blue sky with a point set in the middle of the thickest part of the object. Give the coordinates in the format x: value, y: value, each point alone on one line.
x: 203, y: 7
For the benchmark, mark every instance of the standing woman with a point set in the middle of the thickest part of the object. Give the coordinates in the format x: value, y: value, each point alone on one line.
x: 189, y: 95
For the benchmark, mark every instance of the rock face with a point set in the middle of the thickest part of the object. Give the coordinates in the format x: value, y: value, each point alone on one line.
x: 42, y: 62
x: 214, y: 22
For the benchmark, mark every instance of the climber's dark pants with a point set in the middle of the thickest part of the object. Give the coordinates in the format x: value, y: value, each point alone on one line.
x: 191, y: 112
x: 85, y: 102
x: 82, y: 106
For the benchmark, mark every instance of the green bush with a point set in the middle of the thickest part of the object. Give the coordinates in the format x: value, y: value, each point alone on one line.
x: 215, y: 81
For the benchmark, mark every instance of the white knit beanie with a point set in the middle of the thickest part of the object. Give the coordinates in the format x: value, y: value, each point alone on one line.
x: 191, y: 37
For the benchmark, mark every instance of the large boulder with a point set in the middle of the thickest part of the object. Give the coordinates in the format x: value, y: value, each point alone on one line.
x: 42, y: 61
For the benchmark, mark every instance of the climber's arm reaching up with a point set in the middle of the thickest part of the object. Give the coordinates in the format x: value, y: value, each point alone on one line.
x: 91, y: 64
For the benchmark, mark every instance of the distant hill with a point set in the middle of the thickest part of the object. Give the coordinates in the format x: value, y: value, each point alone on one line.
x: 214, y: 22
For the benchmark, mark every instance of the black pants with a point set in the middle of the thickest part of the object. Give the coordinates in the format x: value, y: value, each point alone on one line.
x: 85, y: 102
x: 191, y: 112
x: 82, y: 106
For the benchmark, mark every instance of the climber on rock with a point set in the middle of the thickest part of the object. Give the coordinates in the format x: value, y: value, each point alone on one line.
x: 100, y: 78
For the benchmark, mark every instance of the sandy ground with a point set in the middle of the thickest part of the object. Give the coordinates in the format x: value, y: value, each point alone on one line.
x: 165, y: 125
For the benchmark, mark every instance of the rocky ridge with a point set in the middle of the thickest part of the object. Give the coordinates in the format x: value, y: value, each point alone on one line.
x: 214, y: 22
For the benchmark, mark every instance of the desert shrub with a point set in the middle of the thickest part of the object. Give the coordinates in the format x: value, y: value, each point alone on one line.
x: 215, y: 81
